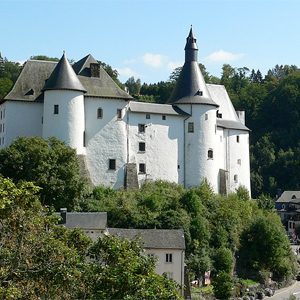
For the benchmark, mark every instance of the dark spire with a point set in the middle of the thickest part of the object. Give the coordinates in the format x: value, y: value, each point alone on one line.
x: 63, y: 77
x: 190, y: 87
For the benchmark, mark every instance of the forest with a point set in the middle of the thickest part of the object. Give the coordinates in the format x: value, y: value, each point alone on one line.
x: 271, y: 103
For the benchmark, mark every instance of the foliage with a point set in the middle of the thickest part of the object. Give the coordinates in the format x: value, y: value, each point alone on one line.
x: 222, y: 286
x: 44, y: 57
x: 49, y: 164
x: 133, y: 85
x: 40, y: 260
x: 265, y: 247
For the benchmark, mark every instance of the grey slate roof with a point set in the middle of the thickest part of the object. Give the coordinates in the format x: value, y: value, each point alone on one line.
x: 32, y: 79
x: 86, y: 220
x: 29, y: 84
x: 153, y: 238
x: 153, y: 108
x: 287, y: 196
x: 63, y: 78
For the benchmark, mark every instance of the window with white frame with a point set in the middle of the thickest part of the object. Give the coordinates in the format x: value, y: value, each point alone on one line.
x: 142, y: 127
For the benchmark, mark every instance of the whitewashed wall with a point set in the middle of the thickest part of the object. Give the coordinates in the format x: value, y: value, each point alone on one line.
x: 106, y: 139
x: 238, y: 159
x: 68, y: 124
x: 163, y: 155
x: 197, y: 144
x: 176, y: 268
x: 20, y: 118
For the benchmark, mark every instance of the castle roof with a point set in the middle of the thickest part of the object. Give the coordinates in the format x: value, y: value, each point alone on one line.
x: 153, y: 238
x: 154, y: 108
x: 63, y: 78
x: 190, y: 87
x: 30, y: 85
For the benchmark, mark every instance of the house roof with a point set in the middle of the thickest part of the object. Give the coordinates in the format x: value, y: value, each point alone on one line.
x: 153, y: 238
x: 287, y: 196
x: 29, y: 85
x: 153, y: 108
x: 85, y: 220
x: 63, y: 78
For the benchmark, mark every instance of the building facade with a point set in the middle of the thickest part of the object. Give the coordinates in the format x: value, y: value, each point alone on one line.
x: 196, y: 134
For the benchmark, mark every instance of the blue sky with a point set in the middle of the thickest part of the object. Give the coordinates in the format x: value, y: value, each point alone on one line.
x: 146, y: 38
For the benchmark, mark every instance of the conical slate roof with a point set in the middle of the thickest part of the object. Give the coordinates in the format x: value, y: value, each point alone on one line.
x: 63, y: 78
x: 190, y: 87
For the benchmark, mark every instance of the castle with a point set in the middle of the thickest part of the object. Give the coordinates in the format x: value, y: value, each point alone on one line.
x: 197, y: 134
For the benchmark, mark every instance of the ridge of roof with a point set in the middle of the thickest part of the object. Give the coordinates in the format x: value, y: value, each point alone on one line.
x: 63, y: 77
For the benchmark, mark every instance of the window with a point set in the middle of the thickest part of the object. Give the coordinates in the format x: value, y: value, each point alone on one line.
x: 112, y: 164
x: 169, y: 275
x: 169, y: 258
x: 99, y: 113
x: 142, y: 168
x: 221, y: 138
x: 206, y: 116
x: 147, y: 116
x: 210, y: 154
x: 56, y: 109
x: 142, y: 127
x: 191, y: 127
x: 119, y: 114
x: 237, y: 138
x: 235, y: 177
x: 142, y: 146
x: 163, y: 117
x: 239, y: 161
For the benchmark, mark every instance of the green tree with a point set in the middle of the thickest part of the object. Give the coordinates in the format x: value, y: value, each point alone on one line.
x: 44, y: 57
x: 222, y: 286
x: 265, y: 247
x: 49, y: 164
x: 133, y: 85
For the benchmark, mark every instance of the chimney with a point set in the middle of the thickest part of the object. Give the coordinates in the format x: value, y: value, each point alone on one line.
x: 63, y: 214
x: 241, y: 116
x: 95, y: 70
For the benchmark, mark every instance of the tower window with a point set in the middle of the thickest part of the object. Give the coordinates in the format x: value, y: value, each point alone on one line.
x: 210, y: 154
x: 237, y: 138
x: 239, y: 161
x: 141, y: 127
x: 191, y: 127
x: 142, y: 168
x: 119, y: 114
x: 235, y: 178
x: 163, y: 117
x: 56, y: 109
x: 112, y: 164
x: 148, y: 116
x: 99, y: 113
x: 142, y: 146
x: 206, y: 116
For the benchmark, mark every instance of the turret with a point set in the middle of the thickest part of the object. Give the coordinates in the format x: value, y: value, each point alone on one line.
x: 64, y: 106
x: 192, y: 96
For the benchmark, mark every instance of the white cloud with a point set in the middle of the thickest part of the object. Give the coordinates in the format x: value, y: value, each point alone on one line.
x: 129, y: 61
x: 154, y: 60
x: 127, y: 72
x: 174, y: 64
x: 223, y: 56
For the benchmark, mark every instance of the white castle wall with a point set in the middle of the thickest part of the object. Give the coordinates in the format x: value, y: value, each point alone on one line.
x: 238, y: 159
x: 163, y: 155
x: 20, y: 119
x: 197, y: 144
x: 68, y: 124
x: 106, y: 139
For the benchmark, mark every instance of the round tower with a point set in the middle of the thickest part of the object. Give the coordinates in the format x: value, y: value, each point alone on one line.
x: 63, y: 115
x: 192, y: 96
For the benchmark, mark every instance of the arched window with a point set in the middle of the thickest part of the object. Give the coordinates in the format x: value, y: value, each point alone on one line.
x: 99, y: 113
x: 210, y: 154
x: 236, y: 179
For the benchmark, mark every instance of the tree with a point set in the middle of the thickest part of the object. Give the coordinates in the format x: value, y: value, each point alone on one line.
x: 44, y: 57
x: 222, y: 286
x: 49, y: 164
x: 38, y: 259
x: 133, y: 85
